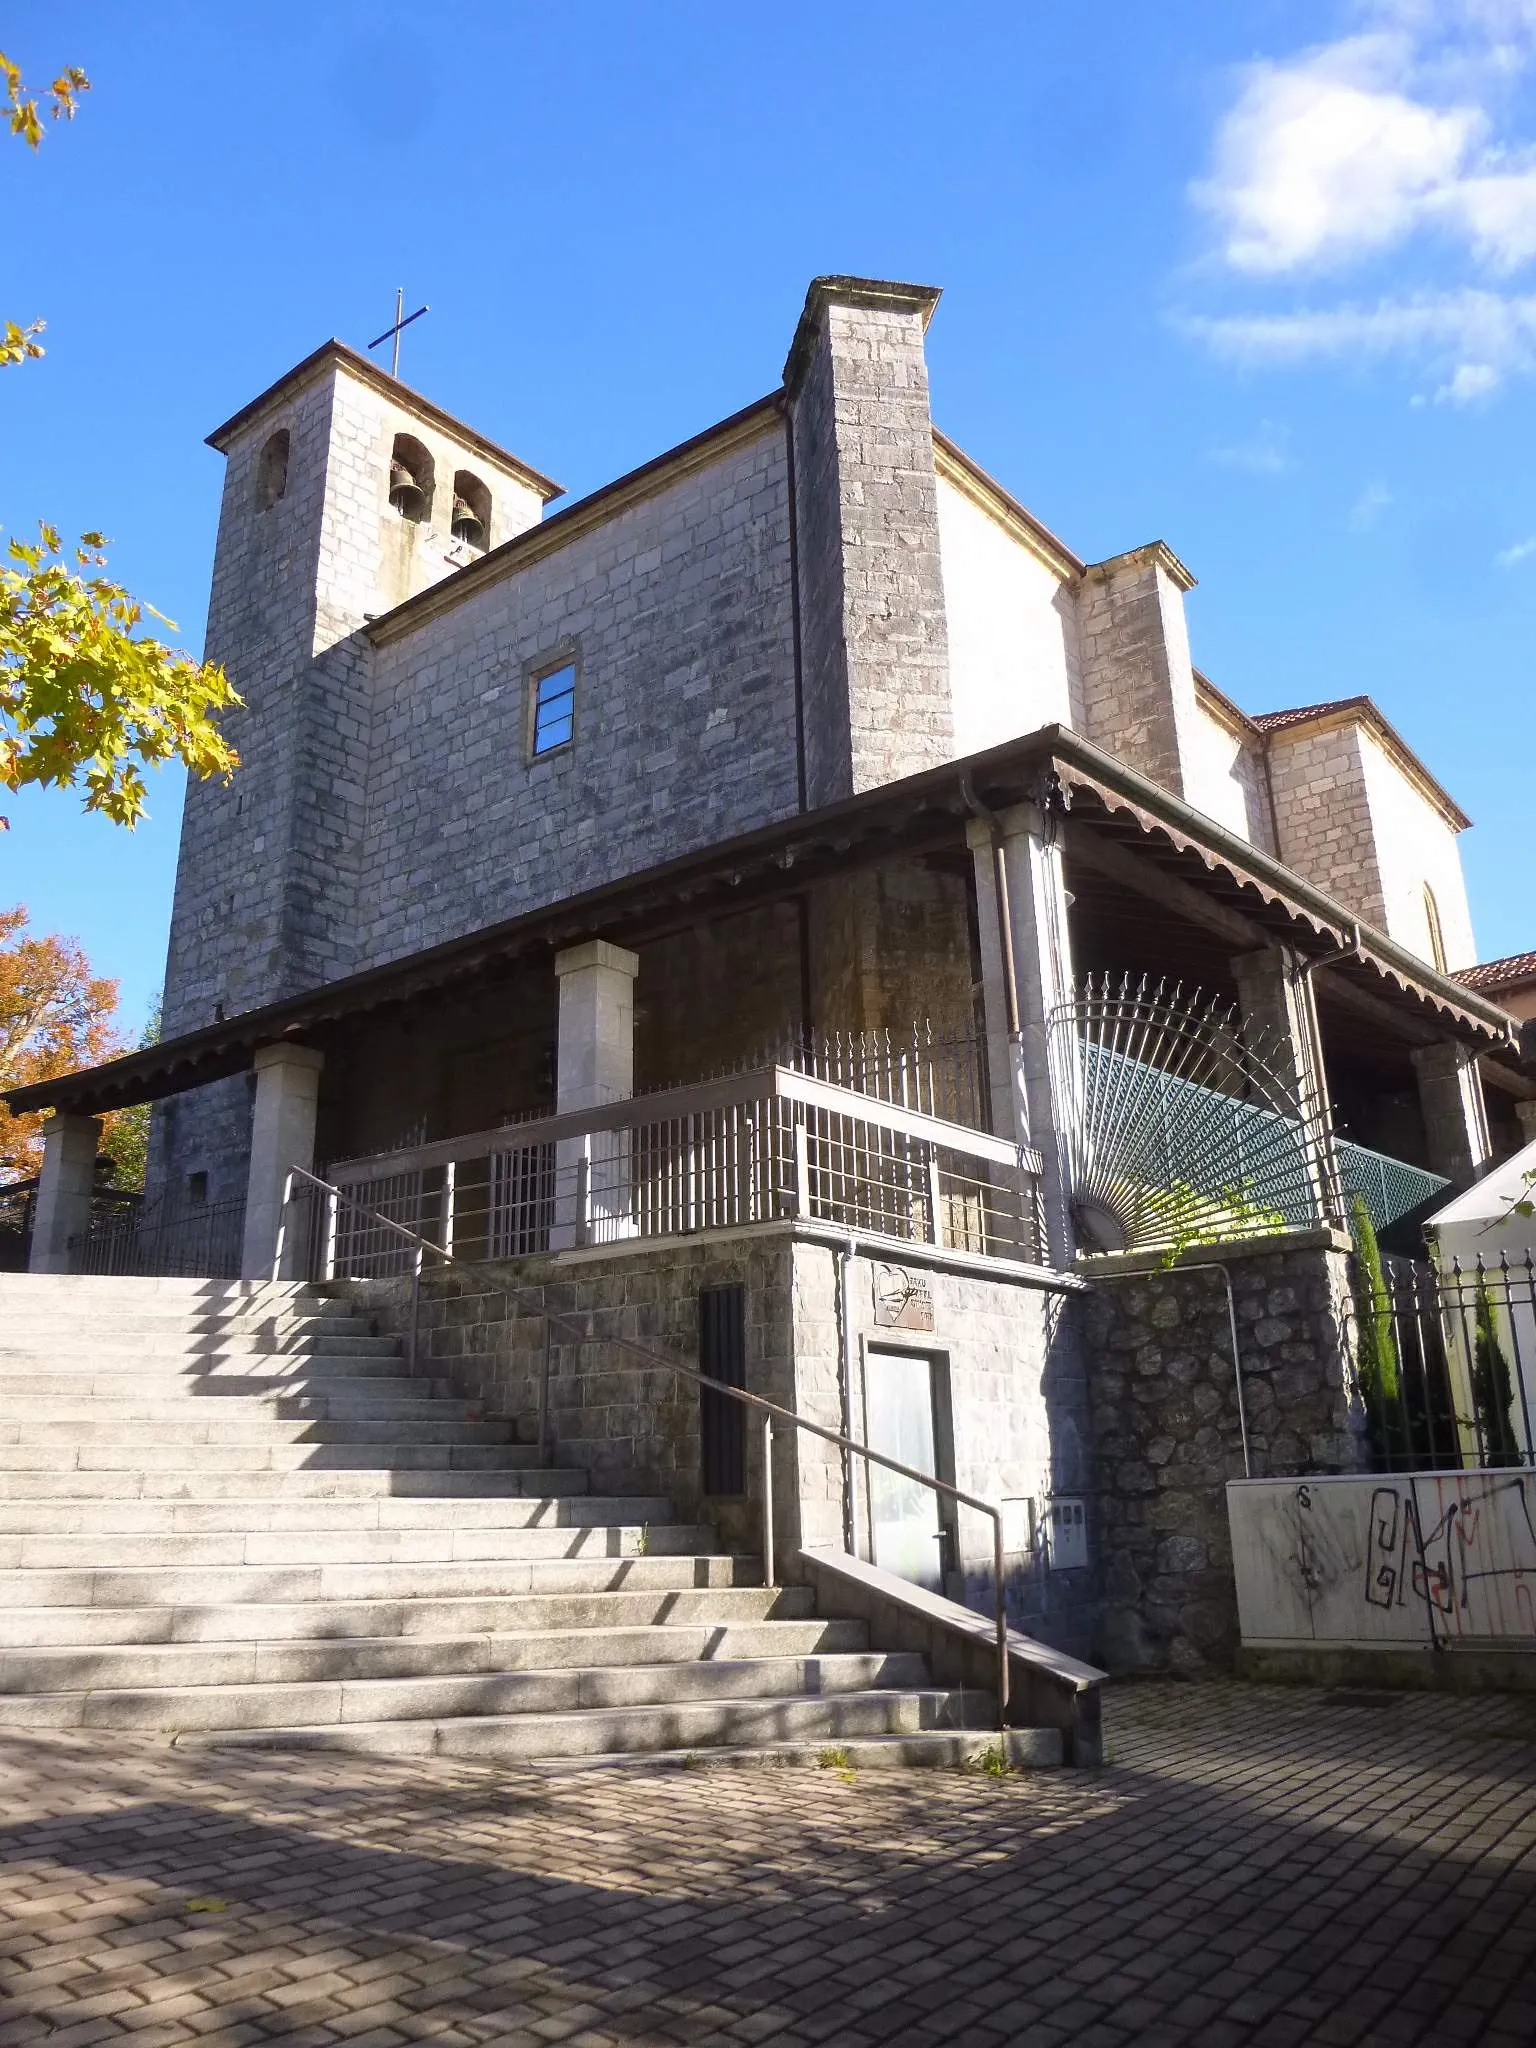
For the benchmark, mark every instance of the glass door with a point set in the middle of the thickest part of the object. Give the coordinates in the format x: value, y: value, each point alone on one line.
x: 907, y: 1525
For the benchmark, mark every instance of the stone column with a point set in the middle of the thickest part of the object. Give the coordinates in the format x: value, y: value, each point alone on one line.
x: 875, y: 695
x: 1137, y: 681
x: 1036, y: 1087
x: 1278, y: 1010
x: 1455, y: 1118
x: 1525, y: 1114
x: 63, y: 1190
x: 595, y: 1064
x: 282, y: 1137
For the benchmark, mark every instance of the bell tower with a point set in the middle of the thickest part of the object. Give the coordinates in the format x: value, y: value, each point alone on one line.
x: 345, y: 493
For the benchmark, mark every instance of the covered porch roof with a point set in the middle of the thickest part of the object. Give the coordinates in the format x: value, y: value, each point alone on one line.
x: 1124, y: 829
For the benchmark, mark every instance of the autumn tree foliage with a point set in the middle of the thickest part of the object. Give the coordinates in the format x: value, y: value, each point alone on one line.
x: 87, y: 699
x: 55, y: 1016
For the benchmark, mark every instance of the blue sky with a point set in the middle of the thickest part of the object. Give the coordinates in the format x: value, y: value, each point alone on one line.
x: 1259, y: 280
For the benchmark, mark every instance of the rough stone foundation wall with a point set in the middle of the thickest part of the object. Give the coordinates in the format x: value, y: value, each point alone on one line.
x: 1166, y: 1436
x: 1016, y: 1391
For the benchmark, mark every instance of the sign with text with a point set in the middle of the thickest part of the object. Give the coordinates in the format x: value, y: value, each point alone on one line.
x: 903, y: 1299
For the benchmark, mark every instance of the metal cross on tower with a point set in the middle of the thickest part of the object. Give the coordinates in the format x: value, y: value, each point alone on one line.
x: 394, y: 367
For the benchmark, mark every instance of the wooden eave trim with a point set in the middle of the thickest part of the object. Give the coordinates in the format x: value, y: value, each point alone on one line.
x: 535, y: 544
x: 1025, y: 769
x: 1225, y: 712
x: 988, y: 495
x: 397, y: 393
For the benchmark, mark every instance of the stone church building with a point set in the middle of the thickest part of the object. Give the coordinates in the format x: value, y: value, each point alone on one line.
x: 703, y: 901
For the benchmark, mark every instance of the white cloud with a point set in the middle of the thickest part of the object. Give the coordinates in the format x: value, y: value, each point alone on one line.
x: 1511, y: 557
x: 1471, y: 382
x: 1264, y: 453
x: 1376, y: 145
x: 1466, y: 327
x: 1365, y: 513
x: 1320, y: 162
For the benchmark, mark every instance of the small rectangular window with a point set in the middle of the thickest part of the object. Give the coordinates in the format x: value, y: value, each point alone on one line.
x: 554, y: 708
x: 197, y: 1189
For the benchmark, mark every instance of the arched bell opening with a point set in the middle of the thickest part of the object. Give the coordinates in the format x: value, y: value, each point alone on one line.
x: 272, y: 470
x: 411, y: 479
x: 471, y: 510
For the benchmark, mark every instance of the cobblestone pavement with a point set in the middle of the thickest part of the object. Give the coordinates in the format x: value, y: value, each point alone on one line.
x: 1255, y: 1865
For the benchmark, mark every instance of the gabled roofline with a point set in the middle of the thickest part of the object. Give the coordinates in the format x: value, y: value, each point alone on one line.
x: 1231, y: 715
x: 399, y: 394
x: 1367, y: 712
x: 967, y: 475
x: 573, y: 520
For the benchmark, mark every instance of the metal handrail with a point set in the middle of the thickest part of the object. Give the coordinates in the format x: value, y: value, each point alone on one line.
x: 771, y: 1411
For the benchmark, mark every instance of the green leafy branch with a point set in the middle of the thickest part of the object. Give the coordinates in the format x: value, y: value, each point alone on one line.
x: 84, y: 699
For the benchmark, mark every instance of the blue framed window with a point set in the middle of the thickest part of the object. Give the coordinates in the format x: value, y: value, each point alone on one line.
x: 554, y: 708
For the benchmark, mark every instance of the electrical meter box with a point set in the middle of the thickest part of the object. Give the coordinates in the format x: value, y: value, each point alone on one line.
x: 1066, y: 1532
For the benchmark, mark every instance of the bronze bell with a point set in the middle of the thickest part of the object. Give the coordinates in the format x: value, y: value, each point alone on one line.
x: 405, y: 494
x: 466, y: 523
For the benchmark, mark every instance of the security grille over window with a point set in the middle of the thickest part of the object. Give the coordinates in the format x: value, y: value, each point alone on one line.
x: 1181, y: 1127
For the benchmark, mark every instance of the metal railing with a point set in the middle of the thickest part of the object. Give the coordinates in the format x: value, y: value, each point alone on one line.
x: 1445, y: 1361
x: 768, y: 1145
x: 335, y: 1203
x: 202, y: 1241
x: 1390, y: 1188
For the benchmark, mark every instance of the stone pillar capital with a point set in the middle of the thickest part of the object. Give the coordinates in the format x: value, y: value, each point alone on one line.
x: 597, y: 953
x: 285, y: 1053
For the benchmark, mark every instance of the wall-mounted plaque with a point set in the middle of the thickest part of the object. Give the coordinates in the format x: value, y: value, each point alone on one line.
x: 903, y: 1299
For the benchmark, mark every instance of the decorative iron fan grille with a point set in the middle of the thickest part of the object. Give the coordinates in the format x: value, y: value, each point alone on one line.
x: 1180, y: 1127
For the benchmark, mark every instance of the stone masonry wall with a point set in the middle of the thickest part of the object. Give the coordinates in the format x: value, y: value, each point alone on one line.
x: 1323, y: 816
x: 1138, y: 686
x: 1166, y: 1437
x: 677, y: 614
x: 1014, y: 1384
x: 875, y: 643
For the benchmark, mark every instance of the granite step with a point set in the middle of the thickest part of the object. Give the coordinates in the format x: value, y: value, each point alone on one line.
x: 265, y: 1456
x: 379, y: 1511
x: 97, y: 1551
x: 515, y: 1475
x: 425, y: 1617
x: 133, y: 1667
x: 222, y: 1423
x: 214, y: 1585
x: 572, y: 1691
x: 639, y: 1727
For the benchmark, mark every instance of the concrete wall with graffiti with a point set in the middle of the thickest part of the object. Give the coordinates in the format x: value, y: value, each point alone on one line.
x: 1425, y: 1559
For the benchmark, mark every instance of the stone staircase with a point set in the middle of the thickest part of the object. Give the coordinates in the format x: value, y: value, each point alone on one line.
x: 229, y: 1514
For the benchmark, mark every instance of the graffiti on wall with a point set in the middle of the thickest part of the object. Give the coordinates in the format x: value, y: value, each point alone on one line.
x: 1427, y: 1558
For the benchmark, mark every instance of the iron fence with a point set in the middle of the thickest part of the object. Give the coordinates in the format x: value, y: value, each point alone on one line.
x: 1390, y: 1188
x: 202, y: 1241
x: 1445, y: 1363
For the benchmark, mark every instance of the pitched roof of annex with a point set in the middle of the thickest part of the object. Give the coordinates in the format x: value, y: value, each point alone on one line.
x: 1365, y: 711
x: 1513, y: 971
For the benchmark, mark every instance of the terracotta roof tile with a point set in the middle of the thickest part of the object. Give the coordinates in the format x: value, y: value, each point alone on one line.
x: 1277, y: 721
x: 1506, y: 973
